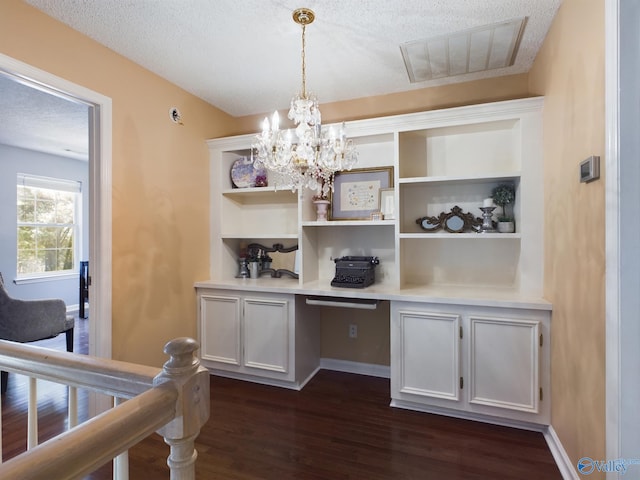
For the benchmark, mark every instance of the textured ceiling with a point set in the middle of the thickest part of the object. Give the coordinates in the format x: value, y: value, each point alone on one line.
x: 38, y: 120
x: 243, y: 56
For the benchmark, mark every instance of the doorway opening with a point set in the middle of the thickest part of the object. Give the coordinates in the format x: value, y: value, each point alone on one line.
x: 99, y: 113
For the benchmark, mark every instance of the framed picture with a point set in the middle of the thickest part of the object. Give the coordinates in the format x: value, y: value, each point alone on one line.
x: 356, y: 193
x: 387, y: 204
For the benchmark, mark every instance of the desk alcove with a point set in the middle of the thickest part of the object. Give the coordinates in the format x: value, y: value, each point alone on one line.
x: 459, y: 325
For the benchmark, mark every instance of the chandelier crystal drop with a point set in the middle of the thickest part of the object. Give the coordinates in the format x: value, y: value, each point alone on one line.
x: 309, y: 156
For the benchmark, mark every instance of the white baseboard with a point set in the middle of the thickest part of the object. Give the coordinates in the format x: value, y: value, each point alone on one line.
x: 373, y: 370
x: 560, y: 455
x: 272, y: 382
x: 308, y: 379
x: 73, y: 308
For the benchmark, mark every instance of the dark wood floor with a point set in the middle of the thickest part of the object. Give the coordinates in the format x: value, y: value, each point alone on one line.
x: 340, y: 426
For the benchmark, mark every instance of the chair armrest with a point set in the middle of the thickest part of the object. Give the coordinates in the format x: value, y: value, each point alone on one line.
x: 31, y: 320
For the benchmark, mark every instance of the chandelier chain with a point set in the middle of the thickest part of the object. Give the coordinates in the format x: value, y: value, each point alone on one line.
x: 304, y: 64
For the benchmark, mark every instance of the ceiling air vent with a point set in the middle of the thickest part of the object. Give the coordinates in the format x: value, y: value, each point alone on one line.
x: 475, y: 50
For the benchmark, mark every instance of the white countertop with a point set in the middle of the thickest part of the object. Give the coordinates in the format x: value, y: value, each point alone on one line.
x: 474, y: 296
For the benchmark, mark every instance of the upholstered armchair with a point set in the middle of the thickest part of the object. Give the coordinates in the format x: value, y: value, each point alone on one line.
x: 32, y: 320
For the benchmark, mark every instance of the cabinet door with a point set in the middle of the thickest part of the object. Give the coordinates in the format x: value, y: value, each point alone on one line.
x: 266, y: 334
x: 220, y: 328
x: 429, y: 362
x: 504, y: 362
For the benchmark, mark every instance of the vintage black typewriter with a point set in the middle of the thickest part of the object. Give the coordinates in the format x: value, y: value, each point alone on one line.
x: 354, y: 272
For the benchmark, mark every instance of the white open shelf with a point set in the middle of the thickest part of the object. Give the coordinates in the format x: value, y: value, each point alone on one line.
x: 440, y: 159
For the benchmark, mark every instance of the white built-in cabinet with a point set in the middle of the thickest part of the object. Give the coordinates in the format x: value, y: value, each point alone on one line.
x: 440, y: 159
x: 258, y: 336
x: 485, y: 287
x: 475, y: 360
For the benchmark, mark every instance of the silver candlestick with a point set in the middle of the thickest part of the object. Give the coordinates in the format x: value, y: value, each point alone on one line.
x: 487, y: 223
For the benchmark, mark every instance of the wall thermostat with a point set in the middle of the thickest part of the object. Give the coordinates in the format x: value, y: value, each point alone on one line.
x: 590, y: 169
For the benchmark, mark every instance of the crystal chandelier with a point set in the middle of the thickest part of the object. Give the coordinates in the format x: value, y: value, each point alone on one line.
x: 310, y: 156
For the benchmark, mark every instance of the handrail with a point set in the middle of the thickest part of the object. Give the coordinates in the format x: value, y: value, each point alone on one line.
x: 173, y: 401
x: 111, y: 377
x: 80, y: 450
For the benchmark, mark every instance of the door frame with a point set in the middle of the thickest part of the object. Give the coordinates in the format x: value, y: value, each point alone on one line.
x: 100, y: 154
x: 622, y: 229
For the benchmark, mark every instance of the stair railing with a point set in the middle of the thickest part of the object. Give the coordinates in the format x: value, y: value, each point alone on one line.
x: 173, y: 401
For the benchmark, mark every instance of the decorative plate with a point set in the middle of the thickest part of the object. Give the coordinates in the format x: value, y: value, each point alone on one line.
x: 243, y: 173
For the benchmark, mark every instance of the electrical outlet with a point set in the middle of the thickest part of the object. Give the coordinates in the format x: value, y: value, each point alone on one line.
x: 353, y: 331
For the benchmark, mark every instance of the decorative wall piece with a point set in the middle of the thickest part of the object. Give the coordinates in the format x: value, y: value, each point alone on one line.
x: 356, y: 193
x: 455, y: 221
x: 244, y: 174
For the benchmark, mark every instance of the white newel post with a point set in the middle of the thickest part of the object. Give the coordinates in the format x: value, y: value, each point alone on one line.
x: 192, y: 407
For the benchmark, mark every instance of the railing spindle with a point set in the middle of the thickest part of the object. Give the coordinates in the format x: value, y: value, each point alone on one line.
x: 32, y: 415
x: 73, y: 407
x: 121, y: 462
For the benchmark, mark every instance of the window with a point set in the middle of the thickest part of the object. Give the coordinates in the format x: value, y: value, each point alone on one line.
x: 48, y: 230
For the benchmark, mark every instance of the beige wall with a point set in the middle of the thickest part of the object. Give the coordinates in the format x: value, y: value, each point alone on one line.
x: 160, y: 196
x: 569, y: 71
x: 372, y: 344
x: 160, y: 179
x: 446, y: 96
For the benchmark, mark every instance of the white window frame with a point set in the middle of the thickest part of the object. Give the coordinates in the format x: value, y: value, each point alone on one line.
x: 59, y: 184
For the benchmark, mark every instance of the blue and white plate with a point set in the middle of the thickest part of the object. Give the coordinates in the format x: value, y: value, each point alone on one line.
x: 244, y: 173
